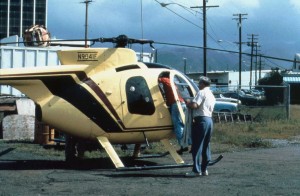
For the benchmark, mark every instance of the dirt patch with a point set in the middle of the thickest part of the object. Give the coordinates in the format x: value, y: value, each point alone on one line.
x: 273, y: 171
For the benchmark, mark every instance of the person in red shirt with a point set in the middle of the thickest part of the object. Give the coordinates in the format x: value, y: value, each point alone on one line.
x: 175, y: 115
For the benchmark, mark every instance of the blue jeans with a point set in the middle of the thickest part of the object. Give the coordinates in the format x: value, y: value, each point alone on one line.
x: 177, y: 121
x: 201, y: 134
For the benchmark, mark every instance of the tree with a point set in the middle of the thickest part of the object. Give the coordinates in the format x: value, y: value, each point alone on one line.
x: 274, y: 95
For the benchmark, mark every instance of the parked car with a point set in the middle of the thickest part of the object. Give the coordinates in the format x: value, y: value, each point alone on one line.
x: 259, y: 94
x: 224, y: 106
x: 246, y: 99
x: 226, y: 99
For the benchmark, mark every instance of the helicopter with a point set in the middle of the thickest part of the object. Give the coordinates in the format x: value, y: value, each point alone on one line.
x: 104, y: 95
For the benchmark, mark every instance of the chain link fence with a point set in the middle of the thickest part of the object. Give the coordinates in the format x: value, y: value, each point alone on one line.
x: 257, y: 104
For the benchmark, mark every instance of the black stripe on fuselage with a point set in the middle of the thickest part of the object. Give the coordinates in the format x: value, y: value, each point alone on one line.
x: 66, y: 88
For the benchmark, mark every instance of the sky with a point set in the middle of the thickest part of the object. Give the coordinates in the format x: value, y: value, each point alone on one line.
x: 275, y: 22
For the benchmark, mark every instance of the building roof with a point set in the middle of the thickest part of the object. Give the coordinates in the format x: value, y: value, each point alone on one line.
x: 292, y: 79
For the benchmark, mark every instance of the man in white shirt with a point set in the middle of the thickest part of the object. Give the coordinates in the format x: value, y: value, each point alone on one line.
x: 202, y: 105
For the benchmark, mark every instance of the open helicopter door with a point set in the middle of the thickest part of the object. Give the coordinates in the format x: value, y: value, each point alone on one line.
x: 176, y: 92
x: 181, y: 85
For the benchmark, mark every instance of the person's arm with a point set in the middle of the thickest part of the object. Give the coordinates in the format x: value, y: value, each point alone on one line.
x: 191, y: 104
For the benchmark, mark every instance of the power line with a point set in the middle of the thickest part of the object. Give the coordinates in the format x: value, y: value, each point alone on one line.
x: 275, y: 64
x: 186, y: 8
x: 165, y: 6
x: 229, y: 51
x: 204, y: 34
x: 183, y: 6
x: 114, y: 39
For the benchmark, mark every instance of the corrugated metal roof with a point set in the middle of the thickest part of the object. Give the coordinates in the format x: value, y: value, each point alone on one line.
x: 292, y: 79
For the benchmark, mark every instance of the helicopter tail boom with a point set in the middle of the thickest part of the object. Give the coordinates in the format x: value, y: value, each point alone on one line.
x: 32, y: 81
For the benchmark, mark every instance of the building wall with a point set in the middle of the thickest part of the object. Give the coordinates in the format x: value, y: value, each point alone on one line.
x: 293, y: 79
x: 17, y: 57
x: 231, y: 78
x: 17, y: 15
x: 245, y: 78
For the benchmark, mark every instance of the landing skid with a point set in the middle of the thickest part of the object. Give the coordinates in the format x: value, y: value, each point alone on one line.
x: 145, y: 167
x: 171, y: 150
x: 211, y: 163
x: 152, y: 156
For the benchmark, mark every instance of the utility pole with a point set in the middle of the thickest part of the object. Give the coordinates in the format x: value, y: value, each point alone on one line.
x: 184, y: 65
x: 260, y: 67
x: 87, y: 2
x: 256, y: 55
x: 240, y: 18
x: 204, y: 7
x: 252, y: 43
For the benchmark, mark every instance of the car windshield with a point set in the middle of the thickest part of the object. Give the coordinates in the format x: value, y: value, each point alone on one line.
x: 242, y: 93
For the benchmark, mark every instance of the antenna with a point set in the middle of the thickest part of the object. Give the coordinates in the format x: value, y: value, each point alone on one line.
x: 142, y: 29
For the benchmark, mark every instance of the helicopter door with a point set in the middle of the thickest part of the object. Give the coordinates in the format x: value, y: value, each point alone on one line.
x: 140, y: 105
x: 181, y: 87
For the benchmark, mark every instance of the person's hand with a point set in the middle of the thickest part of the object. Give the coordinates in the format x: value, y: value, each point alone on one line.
x: 187, y: 101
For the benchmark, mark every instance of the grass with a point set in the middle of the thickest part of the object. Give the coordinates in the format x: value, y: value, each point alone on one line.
x: 269, y: 123
x: 233, y: 136
x: 30, y: 147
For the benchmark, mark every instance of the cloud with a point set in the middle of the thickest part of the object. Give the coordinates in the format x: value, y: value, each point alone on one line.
x: 295, y: 4
x: 235, y: 6
x: 268, y: 18
x: 237, y: 3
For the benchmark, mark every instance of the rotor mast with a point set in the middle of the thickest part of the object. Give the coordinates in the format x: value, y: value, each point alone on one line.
x: 87, y: 2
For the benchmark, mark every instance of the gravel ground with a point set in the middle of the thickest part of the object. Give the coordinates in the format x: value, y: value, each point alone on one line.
x: 273, y: 171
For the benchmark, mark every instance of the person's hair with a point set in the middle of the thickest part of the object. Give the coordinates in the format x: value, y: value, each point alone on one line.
x: 165, y: 75
x: 205, y: 80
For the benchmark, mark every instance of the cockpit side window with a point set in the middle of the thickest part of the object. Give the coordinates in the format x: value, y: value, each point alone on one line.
x: 183, y: 88
x: 139, y: 98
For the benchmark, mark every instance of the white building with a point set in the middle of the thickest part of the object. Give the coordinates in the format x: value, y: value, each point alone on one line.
x: 230, y: 79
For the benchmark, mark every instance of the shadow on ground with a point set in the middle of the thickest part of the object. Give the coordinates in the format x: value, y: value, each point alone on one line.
x: 99, y: 163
